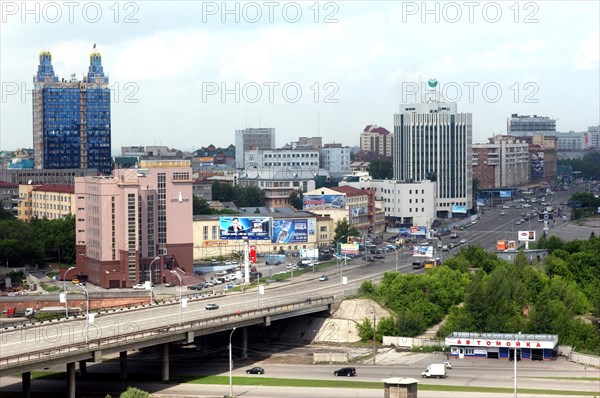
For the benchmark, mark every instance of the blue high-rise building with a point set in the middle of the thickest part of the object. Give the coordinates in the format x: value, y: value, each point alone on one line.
x: 71, y: 118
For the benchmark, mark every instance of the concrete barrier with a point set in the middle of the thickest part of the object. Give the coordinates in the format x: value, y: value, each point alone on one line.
x: 408, y: 342
x: 584, y: 359
x: 330, y: 357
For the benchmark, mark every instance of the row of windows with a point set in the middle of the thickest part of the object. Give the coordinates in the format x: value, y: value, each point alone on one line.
x: 291, y: 155
x: 410, y: 209
x: 181, y: 176
x: 44, y: 196
x: 291, y: 163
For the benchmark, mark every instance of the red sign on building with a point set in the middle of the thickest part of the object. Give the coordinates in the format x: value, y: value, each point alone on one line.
x: 253, y: 254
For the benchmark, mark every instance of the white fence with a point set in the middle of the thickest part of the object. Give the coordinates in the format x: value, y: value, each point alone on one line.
x: 400, y: 341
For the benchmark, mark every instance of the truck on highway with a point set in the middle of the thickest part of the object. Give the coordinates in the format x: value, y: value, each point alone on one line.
x: 435, y: 370
x: 20, y: 312
x: 432, y: 263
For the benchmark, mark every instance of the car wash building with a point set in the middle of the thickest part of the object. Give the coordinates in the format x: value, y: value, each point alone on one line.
x: 537, y: 347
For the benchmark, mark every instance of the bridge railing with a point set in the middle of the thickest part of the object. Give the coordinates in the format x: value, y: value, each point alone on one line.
x: 136, y: 335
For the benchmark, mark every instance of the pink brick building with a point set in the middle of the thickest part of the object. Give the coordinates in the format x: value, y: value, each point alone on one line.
x: 135, y: 225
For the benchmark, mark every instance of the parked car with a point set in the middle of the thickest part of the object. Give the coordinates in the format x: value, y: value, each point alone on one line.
x: 378, y: 257
x: 170, y: 284
x: 256, y: 371
x: 139, y: 286
x: 453, y: 235
x: 324, y: 278
x: 417, y: 265
x: 197, y: 286
x: 345, y: 372
x: 211, y: 306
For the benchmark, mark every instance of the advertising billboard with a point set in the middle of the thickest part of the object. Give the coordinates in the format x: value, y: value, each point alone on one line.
x: 348, y: 248
x: 290, y: 231
x: 318, y: 202
x: 505, y: 194
x: 511, y: 245
x: 356, y: 239
x: 459, y: 209
x: 423, y: 251
x: 537, y: 165
x: 500, y: 245
x: 526, y: 236
x: 253, y: 228
x: 418, y: 231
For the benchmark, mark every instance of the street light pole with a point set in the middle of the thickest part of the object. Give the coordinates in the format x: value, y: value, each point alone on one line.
x: 87, y: 310
x: 180, y: 286
x: 338, y: 263
x: 396, y: 251
x: 65, y: 290
x: 515, y: 359
x: 374, y: 338
x: 231, y: 365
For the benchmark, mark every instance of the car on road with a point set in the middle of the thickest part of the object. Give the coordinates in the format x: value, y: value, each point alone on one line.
x: 378, y: 257
x: 447, y: 364
x: 502, y: 213
x: 453, y: 235
x: 518, y: 223
x: 462, y: 241
x: 445, y: 248
x: 211, y: 306
x: 139, y: 286
x: 323, y: 278
x: 197, y: 286
x: 345, y: 372
x: 417, y: 265
x: 439, y: 245
x: 170, y: 284
x: 256, y: 371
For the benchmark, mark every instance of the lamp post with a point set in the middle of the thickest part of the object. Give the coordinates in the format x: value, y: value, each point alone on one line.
x: 515, y: 359
x: 338, y: 263
x: 87, y: 310
x: 65, y: 290
x: 396, y: 251
x: 374, y: 338
x: 155, y: 259
x: 180, y: 286
x: 231, y: 365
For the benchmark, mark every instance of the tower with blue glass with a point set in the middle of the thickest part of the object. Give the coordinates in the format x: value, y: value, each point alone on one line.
x: 71, y: 118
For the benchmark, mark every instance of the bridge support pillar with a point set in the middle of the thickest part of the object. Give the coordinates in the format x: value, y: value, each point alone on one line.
x: 165, y: 362
x: 26, y: 382
x: 123, y: 364
x: 71, y: 380
x: 82, y: 368
x: 245, y: 343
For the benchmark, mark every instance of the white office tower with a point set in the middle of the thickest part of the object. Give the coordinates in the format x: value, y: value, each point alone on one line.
x: 252, y: 138
x: 433, y: 142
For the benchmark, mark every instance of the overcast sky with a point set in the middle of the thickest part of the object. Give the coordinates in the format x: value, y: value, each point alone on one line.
x: 304, y: 68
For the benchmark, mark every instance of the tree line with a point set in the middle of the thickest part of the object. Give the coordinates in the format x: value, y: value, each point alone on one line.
x: 479, y: 292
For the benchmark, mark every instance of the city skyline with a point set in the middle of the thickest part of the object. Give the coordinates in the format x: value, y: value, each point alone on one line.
x: 169, y: 64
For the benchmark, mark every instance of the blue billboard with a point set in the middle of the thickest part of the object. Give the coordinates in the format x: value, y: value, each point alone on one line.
x: 505, y: 194
x: 459, y: 209
x: 253, y: 228
x: 317, y: 202
x: 290, y: 231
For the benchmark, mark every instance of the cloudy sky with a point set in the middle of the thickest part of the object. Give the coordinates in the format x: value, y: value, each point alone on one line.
x: 188, y: 73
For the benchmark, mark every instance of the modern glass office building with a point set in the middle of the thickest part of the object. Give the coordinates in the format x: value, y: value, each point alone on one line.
x: 71, y: 118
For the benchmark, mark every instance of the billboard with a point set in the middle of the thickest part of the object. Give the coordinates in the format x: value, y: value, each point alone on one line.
x: 423, y: 251
x: 505, y: 194
x: 348, y: 248
x: 459, y: 209
x: 526, y: 236
x: 480, y: 202
x: 537, y: 165
x: 290, y: 231
x: 500, y: 245
x: 418, y: 231
x: 253, y: 228
x: 356, y: 239
x: 318, y: 202
x: 309, y: 253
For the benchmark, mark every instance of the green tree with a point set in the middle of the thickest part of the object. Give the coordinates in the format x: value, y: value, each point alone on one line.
x: 381, y: 169
x: 343, y: 229
x: 295, y: 199
x: 365, y: 330
x: 5, y: 214
x: 133, y: 392
x: 386, y: 326
x: 249, y: 196
x: 201, y: 206
x: 222, y: 192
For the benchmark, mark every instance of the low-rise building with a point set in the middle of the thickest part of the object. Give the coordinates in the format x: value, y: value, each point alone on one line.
x: 502, y: 162
x: 9, y: 197
x: 46, y: 201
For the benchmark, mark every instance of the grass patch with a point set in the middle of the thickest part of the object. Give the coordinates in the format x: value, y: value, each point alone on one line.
x: 341, y: 383
x: 50, y: 288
